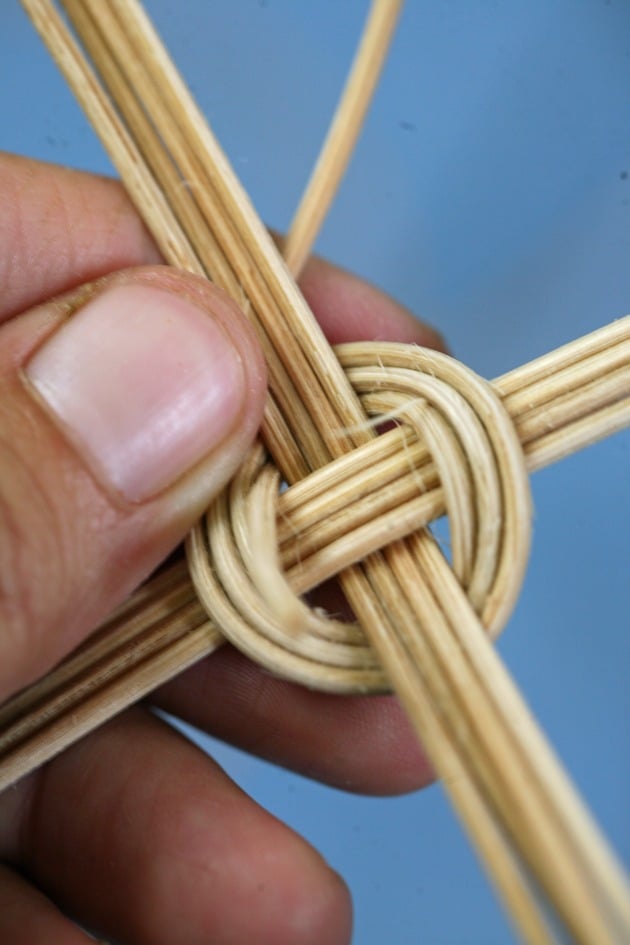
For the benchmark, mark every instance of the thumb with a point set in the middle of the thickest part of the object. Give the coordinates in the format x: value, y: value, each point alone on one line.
x: 124, y: 408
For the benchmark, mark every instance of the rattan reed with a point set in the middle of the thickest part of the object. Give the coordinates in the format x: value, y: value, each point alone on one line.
x: 356, y: 503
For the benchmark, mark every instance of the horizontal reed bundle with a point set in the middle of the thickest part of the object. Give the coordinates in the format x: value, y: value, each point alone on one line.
x: 466, y: 443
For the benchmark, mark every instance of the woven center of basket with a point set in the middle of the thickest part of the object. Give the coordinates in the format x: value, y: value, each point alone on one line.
x: 455, y: 451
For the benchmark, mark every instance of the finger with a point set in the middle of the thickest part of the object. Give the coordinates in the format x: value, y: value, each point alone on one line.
x: 185, y: 857
x: 362, y: 744
x: 29, y: 918
x: 123, y: 410
x: 60, y: 228
x: 350, y: 309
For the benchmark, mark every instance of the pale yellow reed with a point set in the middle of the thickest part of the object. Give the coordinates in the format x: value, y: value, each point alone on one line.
x: 356, y: 506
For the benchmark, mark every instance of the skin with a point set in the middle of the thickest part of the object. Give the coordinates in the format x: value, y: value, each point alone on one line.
x: 185, y: 857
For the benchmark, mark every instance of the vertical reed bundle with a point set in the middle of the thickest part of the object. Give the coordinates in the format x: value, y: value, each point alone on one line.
x: 473, y: 442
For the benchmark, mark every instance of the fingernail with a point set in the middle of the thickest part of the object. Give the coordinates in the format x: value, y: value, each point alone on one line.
x: 144, y: 383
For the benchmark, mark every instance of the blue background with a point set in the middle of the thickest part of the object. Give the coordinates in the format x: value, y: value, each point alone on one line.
x: 491, y: 194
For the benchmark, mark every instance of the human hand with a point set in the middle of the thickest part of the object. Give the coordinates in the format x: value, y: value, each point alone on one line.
x: 134, y: 832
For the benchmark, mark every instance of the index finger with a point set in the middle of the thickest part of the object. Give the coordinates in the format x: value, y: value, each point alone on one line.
x: 61, y: 228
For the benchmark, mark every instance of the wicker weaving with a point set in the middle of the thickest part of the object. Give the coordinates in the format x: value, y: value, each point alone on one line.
x: 356, y: 505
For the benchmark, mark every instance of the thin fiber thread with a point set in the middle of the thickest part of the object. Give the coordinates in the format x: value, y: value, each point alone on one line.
x: 509, y: 791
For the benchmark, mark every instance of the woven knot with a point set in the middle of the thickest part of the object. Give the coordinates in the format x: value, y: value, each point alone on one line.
x: 454, y: 449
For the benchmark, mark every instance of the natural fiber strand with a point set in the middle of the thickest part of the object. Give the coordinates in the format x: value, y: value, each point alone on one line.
x: 344, y: 130
x: 481, y: 740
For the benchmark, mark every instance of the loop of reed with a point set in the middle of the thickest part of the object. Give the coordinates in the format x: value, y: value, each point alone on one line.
x: 503, y: 780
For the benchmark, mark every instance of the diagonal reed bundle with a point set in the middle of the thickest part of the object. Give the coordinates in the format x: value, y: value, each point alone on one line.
x: 508, y: 789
